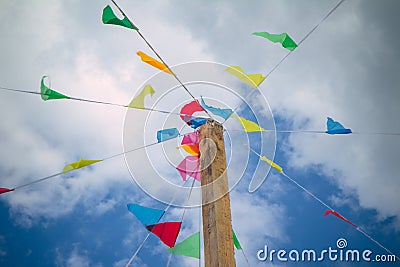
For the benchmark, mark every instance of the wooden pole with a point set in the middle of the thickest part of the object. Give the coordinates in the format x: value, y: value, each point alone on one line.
x: 217, y: 220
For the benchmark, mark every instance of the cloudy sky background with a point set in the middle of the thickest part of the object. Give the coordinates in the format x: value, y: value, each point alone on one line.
x: 347, y: 69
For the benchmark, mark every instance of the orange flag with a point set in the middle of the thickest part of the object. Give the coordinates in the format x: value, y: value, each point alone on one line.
x: 154, y: 62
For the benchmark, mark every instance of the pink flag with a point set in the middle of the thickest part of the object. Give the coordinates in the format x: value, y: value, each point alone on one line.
x: 189, y: 166
x: 192, y: 138
x: 188, y: 110
x: 327, y: 212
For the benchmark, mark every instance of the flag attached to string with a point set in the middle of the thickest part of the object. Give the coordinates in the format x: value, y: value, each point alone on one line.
x: 327, y: 212
x: 192, y: 149
x: 138, y: 101
x: 79, y: 164
x: 166, y: 231
x: 249, y: 126
x: 109, y: 17
x: 147, y: 216
x: 334, y: 127
x: 48, y: 94
x: 236, y: 241
x: 166, y: 134
x: 188, y: 110
x: 5, y: 190
x: 197, y: 122
x: 282, y: 38
x: 224, y: 113
x: 153, y: 62
x: 253, y: 80
x: 273, y: 164
x: 191, y: 138
x: 189, y: 247
x: 189, y: 166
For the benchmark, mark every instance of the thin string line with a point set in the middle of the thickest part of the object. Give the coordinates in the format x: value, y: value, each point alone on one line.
x: 322, y: 132
x: 157, y: 54
x: 148, y: 234
x: 181, y: 220
x: 330, y: 208
x: 91, y: 101
x: 104, y: 159
x: 290, y: 52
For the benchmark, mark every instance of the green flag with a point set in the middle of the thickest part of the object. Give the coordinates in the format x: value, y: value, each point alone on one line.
x: 282, y: 38
x: 189, y: 247
x: 236, y: 241
x: 47, y: 94
x: 110, y: 18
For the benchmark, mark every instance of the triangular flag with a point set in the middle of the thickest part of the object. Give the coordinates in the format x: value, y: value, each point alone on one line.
x: 192, y: 149
x: 5, y: 190
x: 249, y: 126
x: 253, y: 80
x: 273, y: 164
x: 189, y: 247
x: 189, y: 166
x: 147, y: 216
x: 197, y: 122
x: 224, y: 113
x: 79, y: 164
x: 327, y: 212
x: 48, y: 94
x: 138, y: 101
x: 334, y: 127
x: 166, y: 231
x: 188, y: 110
x: 110, y: 18
x: 153, y: 62
x: 282, y: 38
x: 166, y: 134
x: 191, y: 138
x: 236, y: 241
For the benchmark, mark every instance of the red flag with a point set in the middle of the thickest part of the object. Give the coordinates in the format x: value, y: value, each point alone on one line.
x: 327, y: 212
x: 188, y: 110
x: 5, y: 190
x: 166, y: 231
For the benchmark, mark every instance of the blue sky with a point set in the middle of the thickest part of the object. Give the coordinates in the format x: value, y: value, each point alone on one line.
x: 347, y: 69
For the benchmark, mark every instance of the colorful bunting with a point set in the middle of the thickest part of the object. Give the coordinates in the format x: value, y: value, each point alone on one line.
x: 147, y: 216
x: 189, y: 247
x: 110, y: 18
x: 224, y: 113
x: 253, y: 80
x: 197, y: 122
x: 166, y: 231
x: 48, y: 94
x: 5, y: 190
x: 191, y: 138
x: 189, y: 166
x: 166, y: 134
x: 249, y: 126
x: 190, y: 108
x: 138, y: 101
x: 236, y: 241
x: 79, y: 164
x: 192, y: 149
x: 334, y: 127
x: 273, y: 164
x: 153, y: 62
x: 282, y: 38
x: 327, y: 212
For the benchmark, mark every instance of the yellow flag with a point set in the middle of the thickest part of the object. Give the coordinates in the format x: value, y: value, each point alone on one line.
x: 138, y: 101
x: 154, y: 62
x: 273, y: 164
x: 249, y: 126
x: 79, y: 164
x: 191, y: 149
x: 251, y: 79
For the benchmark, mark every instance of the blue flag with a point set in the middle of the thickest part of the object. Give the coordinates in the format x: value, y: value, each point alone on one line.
x: 224, y: 113
x: 167, y: 134
x: 334, y: 127
x: 147, y: 216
